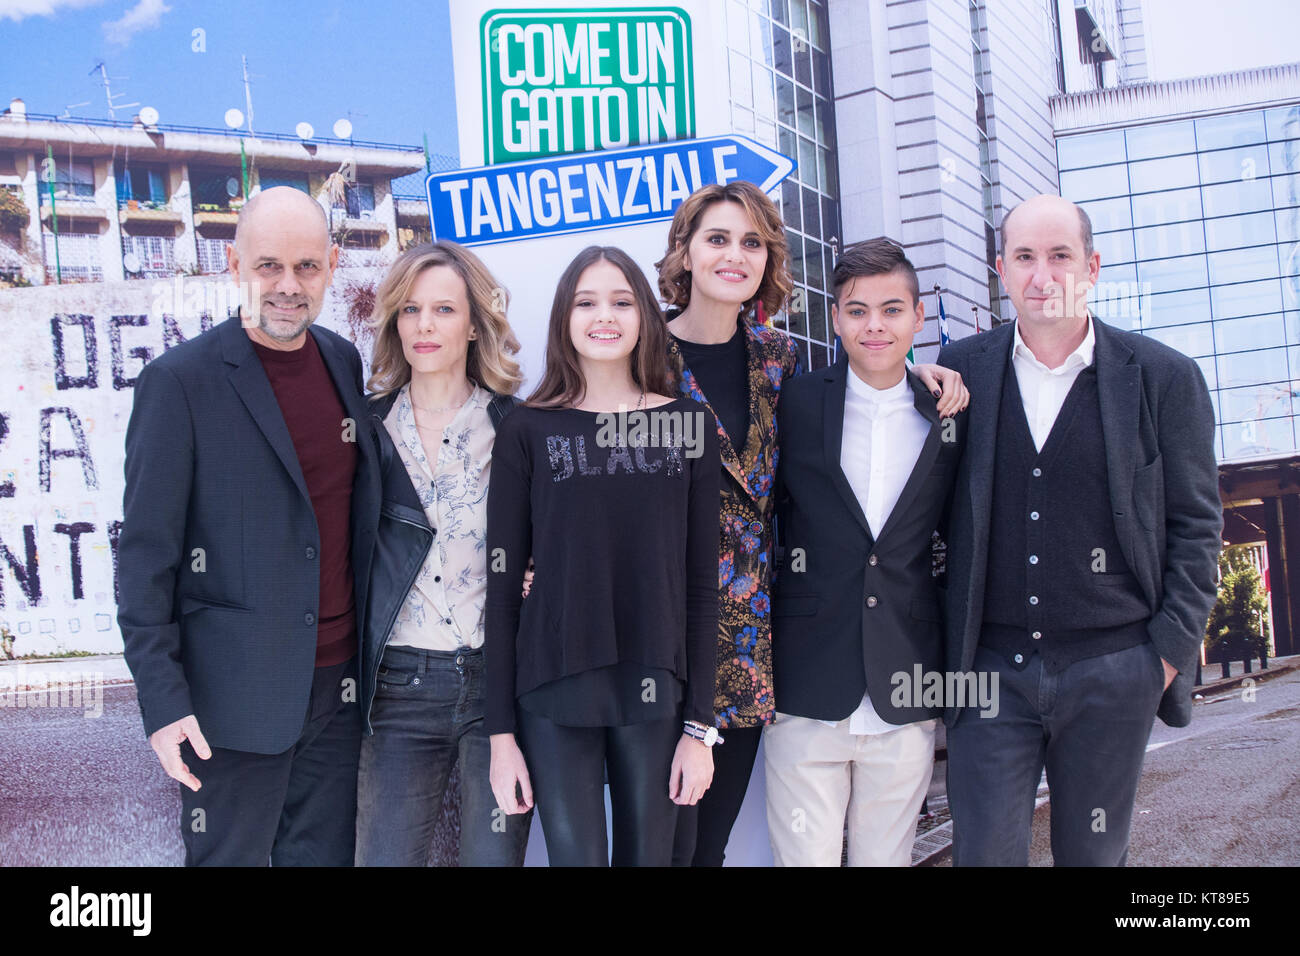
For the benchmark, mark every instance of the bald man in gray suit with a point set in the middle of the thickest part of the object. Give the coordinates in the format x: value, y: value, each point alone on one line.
x: 1082, y: 552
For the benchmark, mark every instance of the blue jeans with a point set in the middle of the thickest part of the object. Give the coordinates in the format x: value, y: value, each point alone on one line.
x: 427, y: 715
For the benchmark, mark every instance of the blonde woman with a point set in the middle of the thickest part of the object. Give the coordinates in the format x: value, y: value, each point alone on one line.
x: 443, y: 378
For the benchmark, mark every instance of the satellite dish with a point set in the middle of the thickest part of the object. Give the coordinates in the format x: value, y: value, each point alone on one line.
x: 232, y: 187
x: 343, y: 129
x: 304, y: 131
x: 234, y: 118
x: 131, y: 262
x: 149, y: 116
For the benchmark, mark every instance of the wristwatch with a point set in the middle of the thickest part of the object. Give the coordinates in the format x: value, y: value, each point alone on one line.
x: 706, y: 735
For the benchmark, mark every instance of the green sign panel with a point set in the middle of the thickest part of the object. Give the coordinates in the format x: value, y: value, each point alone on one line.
x: 582, y: 79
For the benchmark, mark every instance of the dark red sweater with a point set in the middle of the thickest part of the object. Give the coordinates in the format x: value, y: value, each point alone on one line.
x: 314, y: 414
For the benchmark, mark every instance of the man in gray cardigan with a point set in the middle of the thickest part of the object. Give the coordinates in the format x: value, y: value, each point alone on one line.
x: 1082, y: 553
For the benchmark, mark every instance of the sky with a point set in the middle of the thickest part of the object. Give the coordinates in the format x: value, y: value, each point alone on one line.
x: 1196, y: 37
x: 386, y: 65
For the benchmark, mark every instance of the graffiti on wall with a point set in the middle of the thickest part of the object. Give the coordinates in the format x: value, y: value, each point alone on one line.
x: 72, y: 356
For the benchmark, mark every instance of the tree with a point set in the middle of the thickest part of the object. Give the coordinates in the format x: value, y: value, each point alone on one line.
x: 1238, y: 625
x: 14, y: 214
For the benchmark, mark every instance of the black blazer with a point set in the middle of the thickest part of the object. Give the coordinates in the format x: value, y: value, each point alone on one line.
x: 218, y: 556
x: 1158, y: 427
x: 401, y: 546
x: 830, y: 639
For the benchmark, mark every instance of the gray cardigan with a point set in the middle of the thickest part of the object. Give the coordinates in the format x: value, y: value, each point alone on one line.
x: 1158, y: 429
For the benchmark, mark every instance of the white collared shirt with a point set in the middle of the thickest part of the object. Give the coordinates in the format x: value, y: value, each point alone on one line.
x: 1042, y: 389
x: 883, y: 435
x: 444, y: 609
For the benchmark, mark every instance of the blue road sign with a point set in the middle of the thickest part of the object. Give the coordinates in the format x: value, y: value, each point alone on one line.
x: 581, y: 191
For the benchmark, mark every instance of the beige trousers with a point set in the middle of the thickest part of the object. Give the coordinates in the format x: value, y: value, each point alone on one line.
x: 820, y: 777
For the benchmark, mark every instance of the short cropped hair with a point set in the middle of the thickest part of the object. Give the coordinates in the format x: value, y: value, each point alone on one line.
x: 874, y: 257
x: 1085, y: 229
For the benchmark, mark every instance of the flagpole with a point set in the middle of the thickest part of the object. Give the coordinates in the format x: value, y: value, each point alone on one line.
x: 54, y: 211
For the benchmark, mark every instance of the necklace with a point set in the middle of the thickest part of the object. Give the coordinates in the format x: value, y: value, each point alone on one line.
x: 639, y: 403
x: 443, y: 408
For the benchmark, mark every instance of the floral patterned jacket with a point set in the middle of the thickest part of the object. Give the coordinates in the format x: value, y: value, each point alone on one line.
x: 744, y: 693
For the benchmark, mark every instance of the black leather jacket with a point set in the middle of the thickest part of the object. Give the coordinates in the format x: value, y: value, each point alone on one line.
x: 401, y: 545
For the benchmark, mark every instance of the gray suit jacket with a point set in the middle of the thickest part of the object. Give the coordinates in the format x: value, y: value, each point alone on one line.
x: 1158, y: 428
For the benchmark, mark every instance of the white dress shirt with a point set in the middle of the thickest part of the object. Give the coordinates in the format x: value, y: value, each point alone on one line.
x: 1043, y: 389
x: 882, y: 439
x: 444, y: 609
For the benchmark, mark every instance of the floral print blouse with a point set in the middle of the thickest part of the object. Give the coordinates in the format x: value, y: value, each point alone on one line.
x: 744, y: 686
x: 444, y: 609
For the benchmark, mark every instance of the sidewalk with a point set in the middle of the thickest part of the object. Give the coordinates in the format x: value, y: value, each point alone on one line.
x: 40, y: 674
x: 1216, y: 684
x: 934, y: 837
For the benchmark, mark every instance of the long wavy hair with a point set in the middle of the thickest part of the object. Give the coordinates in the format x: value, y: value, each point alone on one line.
x: 563, y: 383
x: 675, y: 279
x: 489, y: 361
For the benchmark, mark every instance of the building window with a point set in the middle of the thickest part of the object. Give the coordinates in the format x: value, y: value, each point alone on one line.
x: 269, y: 179
x: 213, y: 189
x: 986, y: 164
x: 155, y: 256
x: 358, y: 201
x: 413, y: 234
x: 72, y: 256
x: 1054, y: 43
x: 144, y: 185
x: 212, y: 253
x: 779, y: 62
x: 73, y: 179
x: 1202, y: 209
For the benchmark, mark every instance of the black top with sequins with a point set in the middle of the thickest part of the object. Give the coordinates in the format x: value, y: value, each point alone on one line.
x: 620, y: 514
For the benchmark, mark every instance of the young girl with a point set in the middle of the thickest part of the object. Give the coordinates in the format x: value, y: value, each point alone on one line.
x: 610, y: 667
x: 444, y: 376
x: 726, y: 256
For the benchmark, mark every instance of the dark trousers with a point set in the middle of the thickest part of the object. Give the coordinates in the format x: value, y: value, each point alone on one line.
x: 1088, y: 726
x: 427, y: 717
x: 296, y: 808
x: 704, y: 829
x: 567, y: 767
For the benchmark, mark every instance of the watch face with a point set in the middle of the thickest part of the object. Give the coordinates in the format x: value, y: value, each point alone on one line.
x: 711, y: 736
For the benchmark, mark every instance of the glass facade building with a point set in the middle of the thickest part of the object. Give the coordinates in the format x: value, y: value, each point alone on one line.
x: 780, y: 68
x: 1198, y: 226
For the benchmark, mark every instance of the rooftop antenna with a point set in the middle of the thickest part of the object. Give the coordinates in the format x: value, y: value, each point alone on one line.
x: 248, y: 94
x: 108, y: 90
x: 67, y: 110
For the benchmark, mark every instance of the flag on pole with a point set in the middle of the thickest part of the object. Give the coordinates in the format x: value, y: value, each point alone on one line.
x: 944, y: 337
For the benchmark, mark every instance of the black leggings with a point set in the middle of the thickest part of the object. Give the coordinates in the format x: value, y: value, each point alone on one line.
x: 703, y: 830
x: 567, y: 767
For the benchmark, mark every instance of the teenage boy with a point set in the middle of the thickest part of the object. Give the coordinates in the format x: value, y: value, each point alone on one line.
x: 865, y: 474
